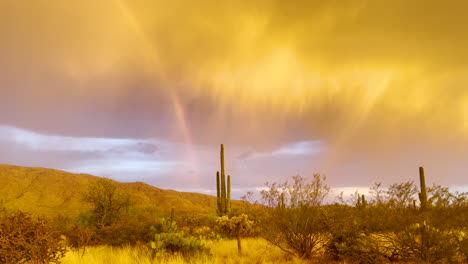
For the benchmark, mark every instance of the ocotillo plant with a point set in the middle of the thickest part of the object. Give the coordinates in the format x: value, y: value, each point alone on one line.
x: 223, y: 193
x: 422, y: 194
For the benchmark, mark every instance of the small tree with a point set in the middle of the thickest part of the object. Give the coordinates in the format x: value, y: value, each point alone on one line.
x: 236, y: 226
x: 107, y: 200
x: 24, y: 239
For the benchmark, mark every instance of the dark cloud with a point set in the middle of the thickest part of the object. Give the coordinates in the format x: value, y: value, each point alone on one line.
x: 140, y: 147
x: 146, y: 148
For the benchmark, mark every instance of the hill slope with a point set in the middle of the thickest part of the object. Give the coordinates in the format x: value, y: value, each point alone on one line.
x: 51, y: 192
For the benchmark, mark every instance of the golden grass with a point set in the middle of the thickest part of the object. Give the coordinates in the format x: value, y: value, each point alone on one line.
x: 255, y: 251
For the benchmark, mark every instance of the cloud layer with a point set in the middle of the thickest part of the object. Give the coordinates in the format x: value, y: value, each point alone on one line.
x: 381, y: 85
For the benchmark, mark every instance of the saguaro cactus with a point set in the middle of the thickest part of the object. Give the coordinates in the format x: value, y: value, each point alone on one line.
x: 172, y: 214
x: 281, y: 204
x: 218, y: 193
x: 223, y: 192
x: 228, y: 191
x: 422, y: 195
x: 361, y: 201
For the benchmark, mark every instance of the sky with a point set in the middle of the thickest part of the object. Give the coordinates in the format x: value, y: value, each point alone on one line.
x: 361, y: 91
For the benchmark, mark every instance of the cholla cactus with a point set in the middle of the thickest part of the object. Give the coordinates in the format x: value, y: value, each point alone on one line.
x: 170, y: 239
x: 236, y: 226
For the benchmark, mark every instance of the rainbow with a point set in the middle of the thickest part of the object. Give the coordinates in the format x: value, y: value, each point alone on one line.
x: 184, y: 126
x: 178, y: 107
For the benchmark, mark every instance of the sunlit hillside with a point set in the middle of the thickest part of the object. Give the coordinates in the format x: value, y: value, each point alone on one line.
x: 51, y: 192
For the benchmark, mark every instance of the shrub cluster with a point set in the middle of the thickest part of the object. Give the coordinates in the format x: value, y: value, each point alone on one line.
x: 388, y: 227
x: 24, y: 239
x: 168, y: 239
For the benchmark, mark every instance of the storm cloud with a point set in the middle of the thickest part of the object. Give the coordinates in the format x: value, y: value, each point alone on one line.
x: 381, y: 85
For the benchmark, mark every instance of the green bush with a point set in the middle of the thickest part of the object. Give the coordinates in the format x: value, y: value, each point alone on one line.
x: 168, y: 239
x: 128, y: 231
x: 357, y: 247
x: 24, y: 239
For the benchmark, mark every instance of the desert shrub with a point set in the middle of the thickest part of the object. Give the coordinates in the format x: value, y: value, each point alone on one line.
x: 24, y: 239
x: 130, y: 228
x: 463, y: 245
x: 405, y: 233
x: 424, y: 242
x: 294, y: 219
x: 362, y: 235
x: 169, y: 239
x: 401, y: 195
x: 78, y: 238
x: 127, y: 231
x: 62, y: 223
x: 358, y: 247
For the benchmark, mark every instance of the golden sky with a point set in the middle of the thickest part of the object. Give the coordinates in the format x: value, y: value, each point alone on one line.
x: 374, y: 80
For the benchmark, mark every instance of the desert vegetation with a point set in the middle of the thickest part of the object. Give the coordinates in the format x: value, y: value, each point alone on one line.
x: 296, y: 221
x: 25, y: 239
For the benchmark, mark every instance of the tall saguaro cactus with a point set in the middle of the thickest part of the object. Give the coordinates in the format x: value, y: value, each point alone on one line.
x: 223, y: 181
x: 223, y: 192
x: 422, y: 194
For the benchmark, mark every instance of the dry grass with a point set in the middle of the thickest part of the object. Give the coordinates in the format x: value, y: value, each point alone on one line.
x: 223, y: 252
